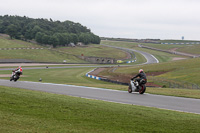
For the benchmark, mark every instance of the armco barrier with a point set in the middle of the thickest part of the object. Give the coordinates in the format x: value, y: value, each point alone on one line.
x: 103, y: 79
x: 94, y: 77
x: 91, y: 76
x: 131, y: 61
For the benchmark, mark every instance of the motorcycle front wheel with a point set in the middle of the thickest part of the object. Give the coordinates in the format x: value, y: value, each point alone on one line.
x: 130, y: 88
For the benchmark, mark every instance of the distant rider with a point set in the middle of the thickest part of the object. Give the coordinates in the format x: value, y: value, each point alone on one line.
x: 141, y: 76
x: 18, y: 71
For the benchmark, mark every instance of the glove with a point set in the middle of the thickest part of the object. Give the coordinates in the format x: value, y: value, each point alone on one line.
x: 132, y: 78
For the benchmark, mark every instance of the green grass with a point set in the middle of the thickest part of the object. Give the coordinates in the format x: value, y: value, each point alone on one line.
x: 30, y: 111
x: 8, y: 43
x: 189, y: 93
x: 54, y: 55
x: 161, y: 56
x: 96, y: 51
x: 164, y: 46
x: 186, y: 48
x: 39, y: 55
x: 73, y: 76
x: 183, y: 70
x: 120, y: 44
x: 192, y: 49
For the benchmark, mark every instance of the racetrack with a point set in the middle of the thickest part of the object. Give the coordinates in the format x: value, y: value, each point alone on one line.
x: 149, y: 57
x: 157, y: 101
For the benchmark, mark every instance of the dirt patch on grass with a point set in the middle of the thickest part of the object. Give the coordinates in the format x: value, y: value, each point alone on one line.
x: 173, y: 49
x: 128, y: 56
x: 97, y: 71
x: 125, y: 78
x: 156, y: 73
x: 178, y: 58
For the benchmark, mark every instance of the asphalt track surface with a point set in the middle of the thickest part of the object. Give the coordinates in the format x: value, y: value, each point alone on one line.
x: 149, y: 100
x: 149, y: 57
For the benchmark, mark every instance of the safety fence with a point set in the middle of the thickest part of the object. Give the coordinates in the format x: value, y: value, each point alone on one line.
x: 170, y: 52
x: 18, y: 48
x: 182, y: 43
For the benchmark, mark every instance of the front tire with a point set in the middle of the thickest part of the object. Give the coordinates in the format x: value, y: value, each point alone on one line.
x: 143, y: 89
x: 130, y: 88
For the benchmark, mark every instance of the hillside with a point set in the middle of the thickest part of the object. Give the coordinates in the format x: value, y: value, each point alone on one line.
x: 46, y: 31
x: 14, y: 50
x: 173, y: 71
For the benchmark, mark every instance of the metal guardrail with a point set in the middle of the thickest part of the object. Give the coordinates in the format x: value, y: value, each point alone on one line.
x: 170, y: 52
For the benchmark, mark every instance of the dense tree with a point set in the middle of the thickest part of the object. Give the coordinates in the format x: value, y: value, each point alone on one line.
x: 46, y: 31
x: 38, y: 37
x: 11, y: 30
x: 35, y: 30
x: 74, y: 38
x: 45, y: 39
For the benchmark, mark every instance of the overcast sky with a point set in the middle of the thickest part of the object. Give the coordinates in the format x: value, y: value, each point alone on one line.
x: 163, y: 19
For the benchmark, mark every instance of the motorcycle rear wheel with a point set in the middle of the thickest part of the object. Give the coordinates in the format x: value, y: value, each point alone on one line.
x: 143, y: 89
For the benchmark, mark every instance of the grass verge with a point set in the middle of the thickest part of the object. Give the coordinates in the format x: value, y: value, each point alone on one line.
x: 189, y: 93
x: 32, y: 111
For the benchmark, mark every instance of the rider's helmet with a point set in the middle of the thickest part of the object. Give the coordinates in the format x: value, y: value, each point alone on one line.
x: 141, y: 70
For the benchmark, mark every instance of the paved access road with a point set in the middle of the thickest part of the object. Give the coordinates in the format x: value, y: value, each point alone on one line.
x: 157, y: 101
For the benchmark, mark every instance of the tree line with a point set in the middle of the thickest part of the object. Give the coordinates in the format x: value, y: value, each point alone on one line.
x: 45, y: 31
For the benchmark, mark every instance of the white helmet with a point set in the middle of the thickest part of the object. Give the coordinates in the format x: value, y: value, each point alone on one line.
x: 141, y: 70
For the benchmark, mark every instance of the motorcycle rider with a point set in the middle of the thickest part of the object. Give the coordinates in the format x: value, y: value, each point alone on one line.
x: 16, y: 74
x: 17, y: 71
x: 141, y: 77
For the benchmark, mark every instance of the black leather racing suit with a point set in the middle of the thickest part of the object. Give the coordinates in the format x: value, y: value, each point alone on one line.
x: 141, y: 76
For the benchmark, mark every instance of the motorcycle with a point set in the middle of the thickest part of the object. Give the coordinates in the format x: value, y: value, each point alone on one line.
x: 15, y: 75
x: 134, y: 86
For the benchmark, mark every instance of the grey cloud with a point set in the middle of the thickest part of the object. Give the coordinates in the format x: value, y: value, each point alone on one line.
x: 118, y: 18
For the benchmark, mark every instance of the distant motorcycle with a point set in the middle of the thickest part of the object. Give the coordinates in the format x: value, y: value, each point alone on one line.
x: 15, y: 75
x: 134, y: 86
